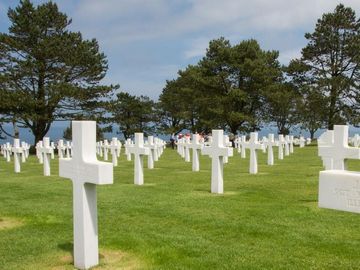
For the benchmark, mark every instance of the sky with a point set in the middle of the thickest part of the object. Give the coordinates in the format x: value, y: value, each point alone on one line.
x: 147, y: 41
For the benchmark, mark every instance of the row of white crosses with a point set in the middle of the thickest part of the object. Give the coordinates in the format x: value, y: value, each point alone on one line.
x: 20, y: 152
x: 153, y: 148
x: 338, y: 188
x: 114, y: 147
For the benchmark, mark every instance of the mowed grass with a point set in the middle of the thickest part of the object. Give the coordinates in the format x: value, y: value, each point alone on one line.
x: 266, y: 221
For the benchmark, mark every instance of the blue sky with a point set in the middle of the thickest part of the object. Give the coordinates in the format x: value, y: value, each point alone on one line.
x: 148, y: 41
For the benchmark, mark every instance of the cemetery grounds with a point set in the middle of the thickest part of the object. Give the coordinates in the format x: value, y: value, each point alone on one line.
x: 266, y: 221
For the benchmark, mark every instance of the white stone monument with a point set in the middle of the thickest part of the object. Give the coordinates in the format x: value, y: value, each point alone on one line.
x: 18, y: 151
x: 60, y: 148
x: 152, y: 148
x: 196, y: 146
x: 68, y: 149
x: 45, y: 151
x: 217, y: 150
x: 139, y: 152
x: 291, y: 144
x: 106, y: 149
x: 281, y: 143
x: 338, y: 189
x: 24, y: 152
x: 113, y: 150
x: 86, y: 172
x: 242, y: 143
x: 270, y: 143
x: 302, y: 142
x: 287, y: 145
x: 253, y: 144
x: 187, y: 149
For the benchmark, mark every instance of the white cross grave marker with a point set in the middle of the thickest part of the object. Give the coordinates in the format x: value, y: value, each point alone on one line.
x: 333, y: 148
x: 52, y: 145
x: 287, y: 145
x: 23, y: 154
x: 338, y: 189
x: 152, y: 148
x: 281, y: 143
x: 217, y: 150
x: 302, y: 142
x: 86, y: 172
x: 17, y: 150
x: 253, y: 144
x: 113, y: 150
x: 139, y: 152
x: 291, y: 144
x: 106, y: 148
x: 196, y: 147
x: 68, y: 149
x: 128, y: 145
x: 187, y: 149
x: 60, y: 148
x: 45, y: 151
x: 269, y: 144
x: 242, y: 143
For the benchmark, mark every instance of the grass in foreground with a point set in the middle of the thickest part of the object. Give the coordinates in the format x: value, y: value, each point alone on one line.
x: 264, y: 221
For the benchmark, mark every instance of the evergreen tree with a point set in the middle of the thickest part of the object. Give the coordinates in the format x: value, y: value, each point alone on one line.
x: 330, y: 65
x: 132, y: 114
x: 47, y: 72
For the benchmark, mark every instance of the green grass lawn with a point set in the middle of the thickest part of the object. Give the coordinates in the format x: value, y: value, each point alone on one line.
x: 266, y: 221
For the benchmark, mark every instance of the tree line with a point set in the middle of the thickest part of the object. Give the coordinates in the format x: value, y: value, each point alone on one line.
x: 49, y: 73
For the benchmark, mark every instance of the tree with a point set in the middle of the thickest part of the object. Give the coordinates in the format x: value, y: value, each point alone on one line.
x: 47, y: 72
x: 310, y: 111
x: 281, y: 106
x: 226, y: 89
x: 132, y: 114
x: 330, y: 65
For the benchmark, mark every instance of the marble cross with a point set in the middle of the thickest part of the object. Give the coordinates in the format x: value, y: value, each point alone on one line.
x: 196, y: 147
x: 114, y: 148
x: 45, y: 151
x: 18, y: 151
x: 101, y: 153
x: 60, y: 148
x: 242, y: 143
x: 264, y: 142
x: 287, y: 145
x: 333, y: 148
x: 106, y: 149
x: 128, y: 145
x: 281, y: 143
x: 152, y: 149
x: 68, y: 149
x: 302, y: 142
x: 24, y: 152
x: 187, y: 149
x: 270, y: 143
x: 291, y: 144
x: 228, y: 144
x: 52, y: 145
x: 39, y: 155
x: 118, y: 150
x: 86, y: 172
x: 253, y: 144
x: 139, y: 152
x: 217, y: 150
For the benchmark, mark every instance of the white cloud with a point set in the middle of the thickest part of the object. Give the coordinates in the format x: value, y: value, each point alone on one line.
x: 197, y: 48
x: 288, y: 55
